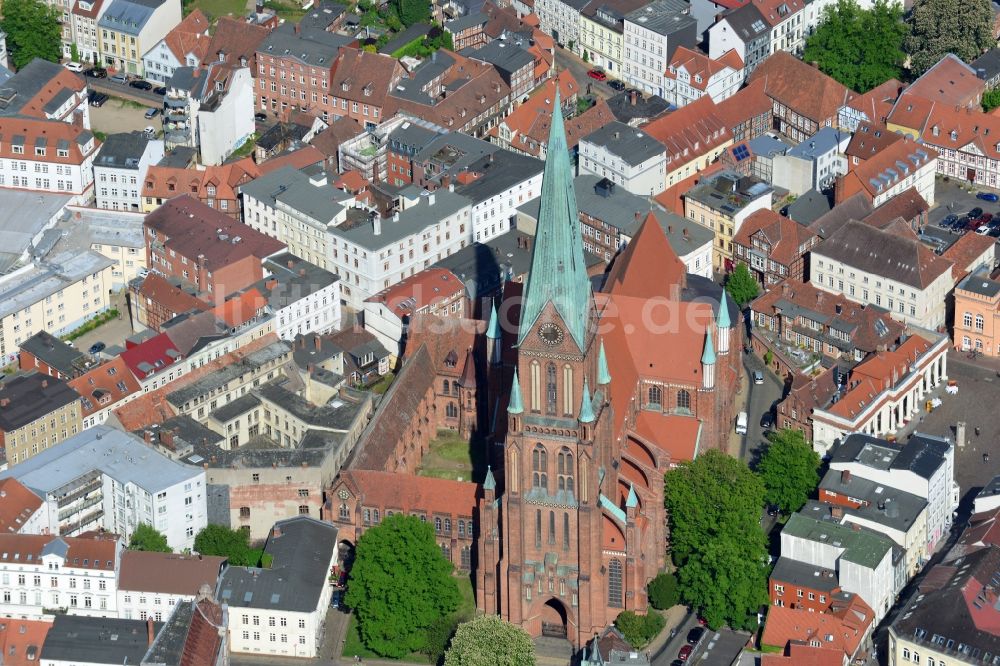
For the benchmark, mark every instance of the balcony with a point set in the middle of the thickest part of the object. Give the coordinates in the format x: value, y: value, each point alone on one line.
x: 86, y: 504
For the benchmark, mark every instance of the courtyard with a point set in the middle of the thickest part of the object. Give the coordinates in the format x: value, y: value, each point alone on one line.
x: 451, y: 456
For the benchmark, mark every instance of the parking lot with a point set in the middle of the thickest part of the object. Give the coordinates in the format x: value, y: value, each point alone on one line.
x: 121, y: 116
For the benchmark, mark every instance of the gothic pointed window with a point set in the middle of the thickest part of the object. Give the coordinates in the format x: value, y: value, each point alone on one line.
x: 536, y: 387
x: 345, y: 513
x: 683, y: 400
x: 466, y: 558
x: 565, y: 531
x: 540, y: 467
x: 568, y: 390
x: 552, y: 527
x: 550, y: 388
x: 538, y: 527
x: 564, y: 469
x: 615, y: 583
x: 451, y: 410
x: 655, y: 397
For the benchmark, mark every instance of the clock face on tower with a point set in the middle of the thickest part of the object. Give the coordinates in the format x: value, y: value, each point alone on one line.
x: 550, y: 334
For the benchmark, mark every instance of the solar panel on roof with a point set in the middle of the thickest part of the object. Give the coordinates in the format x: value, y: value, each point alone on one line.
x: 247, y: 597
x: 741, y: 152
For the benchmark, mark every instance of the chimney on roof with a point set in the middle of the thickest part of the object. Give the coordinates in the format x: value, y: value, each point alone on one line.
x: 291, y: 263
x: 167, y: 439
x: 819, y: 296
x: 632, y: 97
x: 638, y: 216
x: 297, y: 29
x: 302, y: 272
x: 276, y: 530
x: 785, y: 289
x: 45, y: 383
x: 670, y: 228
x: 150, y: 635
x: 855, y: 527
x: 318, y: 342
x: 837, y: 512
x: 302, y: 343
x: 148, y: 436
x: 270, y: 283
x: 845, y: 476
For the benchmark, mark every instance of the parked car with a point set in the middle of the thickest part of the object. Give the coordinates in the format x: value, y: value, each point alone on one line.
x: 947, y: 221
x: 597, y: 75
x: 96, y: 73
x: 616, y: 85
x: 987, y: 196
x: 260, y: 117
x: 151, y: 113
x: 983, y: 230
x: 695, y: 635
x: 74, y: 67
x: 974, y: 213
x: 120, y: 78
x: 685, y: 653
x: 150, y: 131
x: 677, y: 662
x: 994, y: 232
x: 139, y: 84
x: 160, y: 90
x: 985, y: 218
x: 766, y: 421
x: 758, y: 377
x: 98, y: 99
x: 97, y: 348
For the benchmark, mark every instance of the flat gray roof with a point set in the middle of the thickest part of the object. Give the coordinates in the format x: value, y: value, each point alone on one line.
x: 413, y: 220
x: 820, y: 143
x: 628, y: 143
x: 980, y: 283
x: 293, y: 188
x: 25, y: 215
x: 664, y: 17
x: 97, y: 640
x: 120, y: 455
x: 19, y: 290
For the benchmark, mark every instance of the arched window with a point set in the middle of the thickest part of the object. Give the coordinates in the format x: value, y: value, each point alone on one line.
x: 455, y: 388
x: 540, y: 467
x: 568, y: 390
x: 437, y: 524
x: 615, y: 583
x: 655, y: 396
x: 565, y: 531
x: 979, y: 322
x: 967, y: 319
x: 552, y: 527
x: 446, y: 387
x: 461, y: 528
x: 684, y: 400
x: 447, y: 525
x: 550, y: 388
x: 466, y: 555
x: 536, y: 387
x: 565, y: 470
x: 345, y: 513
x: 446, y: 551
x: 451, y: 410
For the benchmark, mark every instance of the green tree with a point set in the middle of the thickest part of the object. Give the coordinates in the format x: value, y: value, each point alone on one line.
x: 488, y: 640
x: 741, y: 285
x: 400, y: 586
x: 639, y: 630
x: 991, y: 99
x: 147, y: 538
x: 788, y: 469
x: 586, y: 56
x: 74, y: 52
x: 939, y: 27
x: 222, y: 541
x: 861, y: 48
x: 412, y: 11
x: 33, y: 31
x: 663, y: 592
x: 714, y: 504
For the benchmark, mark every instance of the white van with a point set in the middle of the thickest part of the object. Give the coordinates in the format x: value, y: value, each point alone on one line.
x: 74, y: 67
x: 741, y: 423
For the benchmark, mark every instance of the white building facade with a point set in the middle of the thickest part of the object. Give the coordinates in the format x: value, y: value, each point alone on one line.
x: 47, y: 156
x: 627, y: 157
x: 651, y: 35
x: 120, y: 169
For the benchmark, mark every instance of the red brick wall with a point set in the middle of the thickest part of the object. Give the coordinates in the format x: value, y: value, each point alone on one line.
x: 790, y: 597
x: 27, y: 362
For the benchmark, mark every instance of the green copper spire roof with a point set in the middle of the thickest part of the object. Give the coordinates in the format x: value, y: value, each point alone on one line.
x: 603, y: 376
x: 708, y: 356
x: 558, y: 273
x: 586, y: 407
x: 723, y: 320
x: 633, y: 499
x: 493, y: 332
x: 516, y: 404
x: 489, y: 483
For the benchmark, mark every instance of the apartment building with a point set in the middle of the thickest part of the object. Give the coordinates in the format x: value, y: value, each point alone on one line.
x: 602, y: 30
x: 303, y: 297
x: 743, y: 30
x: 130, y: 28
x: 977, y: 314
x: 47, y: 156
x: 42, y: 574
x: 366, y: 252
x: 116, y: 235
x: 185, y: 44
x: 56, y: 295
x: 46, y: 90
x: 876, y: 267
x: 282, y: 610
x: 691, y: 74
x: 652, y: 35
x: 107, y: 479
x: 626, y: 156
x: 561, y: 19
x: 773, y: 247
x: 38, y: 411
x: 205, y: 248
x: 892, y: 171
x: 496, y: 185
x: 512, y: 59
x: 694, y: 136
x: 721, y: 203
x: 151, y: 585
x: 120, y: 169
x: 85, y: 16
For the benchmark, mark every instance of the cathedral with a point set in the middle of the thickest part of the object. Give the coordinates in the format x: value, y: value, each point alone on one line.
x: 597, y: 394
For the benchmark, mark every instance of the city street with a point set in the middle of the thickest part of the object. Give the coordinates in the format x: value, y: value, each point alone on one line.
x: 716, y: 648
x: 578, y: 68
x: 763, y: 397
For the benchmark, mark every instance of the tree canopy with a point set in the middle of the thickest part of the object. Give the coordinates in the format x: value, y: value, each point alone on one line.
x: 400, y: 585
x: 488, y: 640
x: 939, y: 27
x: 639, y: 630
x: 33, y: 31
x: 741, y: 285
x: 412, y: 11
x: 147, y: 538
x: 714, y: 504
x: 663, y: 592
x: 234, y: 544
x: 788, y: 469
x: 861, y: 48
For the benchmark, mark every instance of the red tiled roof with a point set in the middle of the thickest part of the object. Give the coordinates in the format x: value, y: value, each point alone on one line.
x: 877, y: 373
x: 419, y: 291
x: 236, y: 39
x: 908, y: 205
x: 870, y: 139
x: 861, y: 177
x: 99, y: 387
x: 746, y: 103
x: 800, y: 654
x: 152, y: 355
x: 786, y: 624
x: 52, y: 132
x: 690, y: 131
x: 697, y: 64
x: 674, y: 434
x: 241, y: 308
x: 788, y: 239
x: 174, y: 299
x: 352, y: 181
x: 204, y: 639
x: 168, y: 573
x: 17, y: 506
x: 408, y: 492
x: 648, y: 267
x: 189, y: 36
x: 801, y: 87
x: 368, y: 76
x: 772, y: 12
x: 97, y: 553
x: 877, y: 102
x: 21, y: 641
x: 297, y: 159
x: 950, y: 82
x: 63, y: 79
x: 955, y: 129
x: 966, y: 252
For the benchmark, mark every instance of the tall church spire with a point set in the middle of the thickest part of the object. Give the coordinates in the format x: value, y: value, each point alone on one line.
x: 558, y: 274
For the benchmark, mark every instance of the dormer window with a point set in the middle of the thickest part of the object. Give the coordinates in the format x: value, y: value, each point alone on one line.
x: 345, y: 86
x: 17, y: 150
x: 62, y: 152
x: 697, y: 78
x: 935, y: 130
x: 211, y: 190
x: 368, y: 90
x: 40, y: 152
x: 954, y: 135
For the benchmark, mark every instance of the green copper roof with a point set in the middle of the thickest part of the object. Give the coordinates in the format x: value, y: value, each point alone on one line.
x: 613, y: 508
x: 708, y: 356
x: 603, y: 376
x: 723, y: 319
x: 558, y: 273
x: 493, y: 332
x: 489, y: 483
x: 633, y: 499
x: 586, y: 408
x: 516, y: 404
